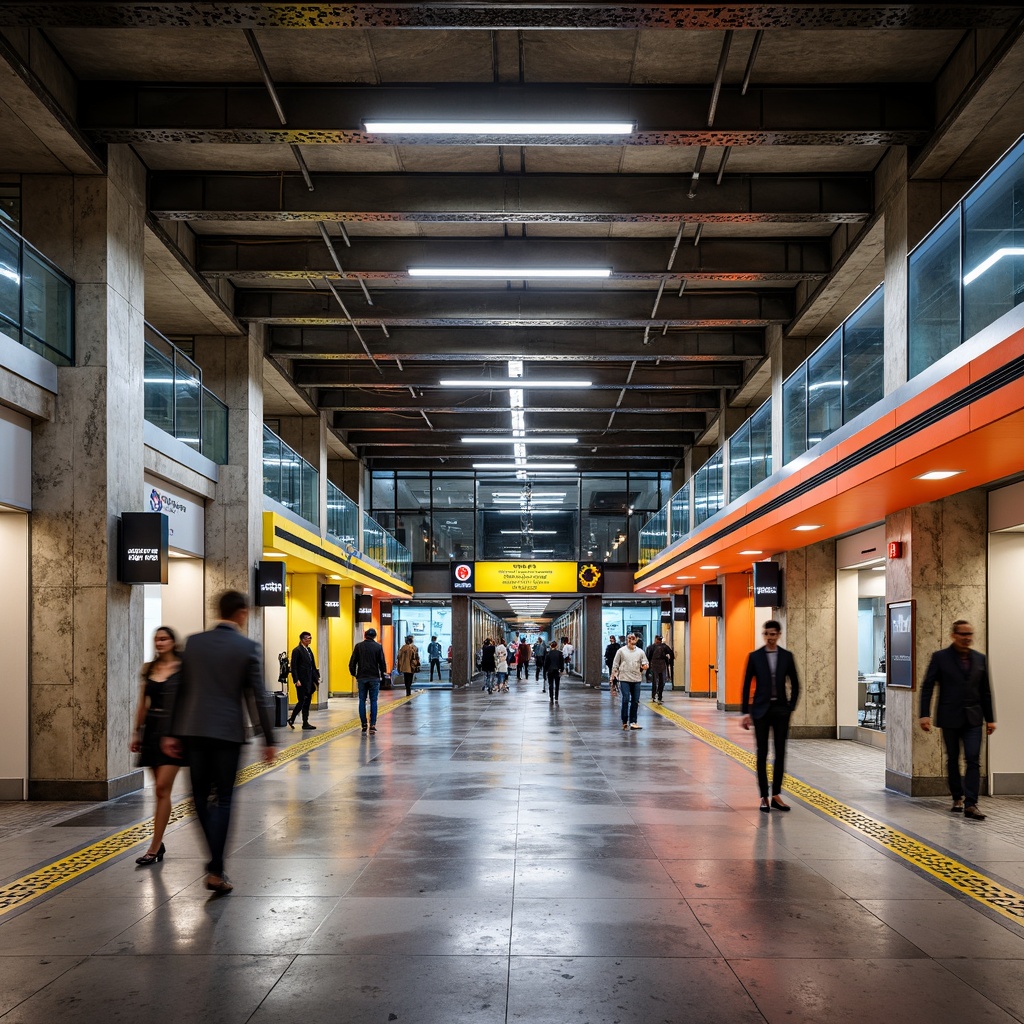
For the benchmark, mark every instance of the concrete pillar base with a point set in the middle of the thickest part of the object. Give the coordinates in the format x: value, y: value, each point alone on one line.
x: 74, y: 789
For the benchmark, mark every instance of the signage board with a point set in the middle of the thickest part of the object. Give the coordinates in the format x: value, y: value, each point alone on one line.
x: 666, y: 612
x: 895, y: 549
x: 386, y: 614
x: 527, y: 577
x: 767, y: 585
x: 330, y: 601
x: 589, y: 578
x: 899, y: 644
x: 712, y: 600
x: 186, y: 514
x: 463, y: 577
x: 364, y: 608
x: 681, y: 608
x: 142, y: 547
x: 270, y: 583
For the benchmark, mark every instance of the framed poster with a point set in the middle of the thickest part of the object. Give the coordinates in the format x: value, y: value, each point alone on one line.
x: 899, y: 644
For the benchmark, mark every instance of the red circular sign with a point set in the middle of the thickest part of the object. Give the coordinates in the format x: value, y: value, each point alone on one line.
x: 462, y: 573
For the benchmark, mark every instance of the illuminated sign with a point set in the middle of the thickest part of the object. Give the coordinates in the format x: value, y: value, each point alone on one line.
x: 142, y: 547
x: 713, y: 600
x: 463, y: 577
x: 364, y: 608
x: 330, y: 601
x: 681, y: 608
x: 528, y: 577
x: 270, y: 584
x: 767, y: 585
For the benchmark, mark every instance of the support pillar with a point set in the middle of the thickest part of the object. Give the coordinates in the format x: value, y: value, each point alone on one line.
x: 944, y: 571
x: 87, y: 642
x: 734, y: 638
x: 462, y: 652
x: 592, y: 656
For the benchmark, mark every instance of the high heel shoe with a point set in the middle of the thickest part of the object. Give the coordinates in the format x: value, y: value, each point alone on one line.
x: 151, y: 858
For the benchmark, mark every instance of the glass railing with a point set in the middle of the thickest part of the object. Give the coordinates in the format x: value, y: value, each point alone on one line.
x: 342, y: 518
x: 36, y: 300
x: 289, y: 479
x: 176, y: 401
x: 842, y: 378
x: 969, y: 270
x: 708, y: 489
x: 384, y: 549
x: 666, y: 526
x: 750, y: 451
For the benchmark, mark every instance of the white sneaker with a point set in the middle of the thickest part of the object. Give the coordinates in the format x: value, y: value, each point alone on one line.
x: 633, y: 725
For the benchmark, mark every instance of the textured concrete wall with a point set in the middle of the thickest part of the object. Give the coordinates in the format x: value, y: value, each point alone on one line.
x: 943, y: 569
x: 87, y: 642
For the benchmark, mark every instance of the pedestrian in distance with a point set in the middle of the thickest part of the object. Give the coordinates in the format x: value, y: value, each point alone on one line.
x: 609, y: 657
x: 487, y: 663
x: 538, y: 659
x: 659, y: 655
x: 554, y: 665
x: 500, y: 665
x: 368, y: 666
x: 964, y: 710
x: 409, y: 663
x: 434, y: 657
x: 306, y: 677
x: 523, y: 660
x: 768, y: 706
x: 220, y: 669
x: 628, y: 668
x: 152, y: 720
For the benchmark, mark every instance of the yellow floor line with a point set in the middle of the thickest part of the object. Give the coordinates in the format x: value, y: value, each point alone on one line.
x: 939, y: 865
x: 32, y: 886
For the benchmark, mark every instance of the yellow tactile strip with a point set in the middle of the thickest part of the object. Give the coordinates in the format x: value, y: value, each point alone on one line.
x: 15, y: 895
x: 939, y: 865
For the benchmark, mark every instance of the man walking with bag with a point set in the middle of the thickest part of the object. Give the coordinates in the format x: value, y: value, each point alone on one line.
x: 367, y: 664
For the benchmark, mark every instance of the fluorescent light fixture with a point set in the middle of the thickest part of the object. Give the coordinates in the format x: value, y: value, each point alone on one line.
x: 991, y: 262
x: 531, y: 533
x: 519, y: 440
x: 709, y: 567
x: 274, y: 554
x: 486, y: 382
x: 686, y: 577
x: 939, y: 474
x: 500, y: 127
x: 878, y: 568
x: 511, y: 273
x: 807, y: 526
x: 519, y: 494
x: 751, y: 552
x: 512, y: 467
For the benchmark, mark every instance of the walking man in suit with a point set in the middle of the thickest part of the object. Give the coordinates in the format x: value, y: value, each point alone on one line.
x: 219, y: 668
x: 306, y: 676
x: 769, y: 708
x: 965, y: 704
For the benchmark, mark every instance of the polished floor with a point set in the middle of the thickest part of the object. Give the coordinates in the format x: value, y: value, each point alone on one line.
x: 491, y: 859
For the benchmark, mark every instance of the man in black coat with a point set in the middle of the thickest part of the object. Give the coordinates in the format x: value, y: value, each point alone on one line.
x: 965, y: 704
x: 769, y: 708
x: 306, y: 676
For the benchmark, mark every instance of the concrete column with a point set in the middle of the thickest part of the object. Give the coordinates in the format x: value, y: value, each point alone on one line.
x: 87, y: 643
x: 462, y: 653
x: 233, y: 368
x: 809, y: 630
x: 943, y: 570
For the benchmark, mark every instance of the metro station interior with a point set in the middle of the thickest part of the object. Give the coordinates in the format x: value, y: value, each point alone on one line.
x: 513, y: 321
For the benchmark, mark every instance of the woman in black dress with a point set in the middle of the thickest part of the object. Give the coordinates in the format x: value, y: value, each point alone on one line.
x: 159, y: 682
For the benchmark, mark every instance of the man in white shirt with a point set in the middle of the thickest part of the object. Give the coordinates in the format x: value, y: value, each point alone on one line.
x: 628, y: 668
x: 567, y: 652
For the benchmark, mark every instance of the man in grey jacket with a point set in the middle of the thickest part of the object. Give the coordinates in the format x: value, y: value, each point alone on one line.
x: 219, y: 669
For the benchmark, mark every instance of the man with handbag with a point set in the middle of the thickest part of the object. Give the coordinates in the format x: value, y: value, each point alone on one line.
x: 964, y: 706
x: 306, y: 676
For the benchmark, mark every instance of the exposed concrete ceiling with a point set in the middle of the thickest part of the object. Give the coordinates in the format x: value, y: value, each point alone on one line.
x: 746, y: 197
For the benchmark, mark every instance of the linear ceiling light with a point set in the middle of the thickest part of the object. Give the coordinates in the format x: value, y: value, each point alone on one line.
x: 500, y: 127
x: 486, y: 382
x: 512, y: 467
x: 519, y: 440
x: 510, y: 273
x: 939, y: 474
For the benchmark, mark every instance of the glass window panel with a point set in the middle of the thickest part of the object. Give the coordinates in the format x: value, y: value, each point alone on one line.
x: 863, y: 362
x: 548, y: 534
x: 10, y: 278
x: 187, y: 390
x: 46, y: 308
x: 993, y: 263
x: 933, y: 304
x: 215, y: 429
x: 653, y: 537
x: 761, y: 444
x: 412, y: 491
x: 343, y: 517
x: 309, y: 505
x: 794, y: 415
x: 271, y: 464
x: 452, y: 535
x: 739, y: 462
x: 451, y: 490
x: 382, y: 491
x: 824, y: 390
x: 607, y: 495
x: 605, y: 537
x: 158, y: 389
x: 679, y: 513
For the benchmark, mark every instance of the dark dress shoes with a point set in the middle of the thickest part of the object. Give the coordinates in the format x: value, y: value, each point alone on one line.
x: 973, y: 813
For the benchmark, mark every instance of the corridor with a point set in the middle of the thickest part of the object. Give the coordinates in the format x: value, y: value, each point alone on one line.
x: 491, y: 859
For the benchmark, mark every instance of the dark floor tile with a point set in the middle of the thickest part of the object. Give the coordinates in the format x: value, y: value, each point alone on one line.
x: 23, y: 976
x: 626, y: 990
x: 598, y: 879
x: 750, y: 879
x: 489, y: 878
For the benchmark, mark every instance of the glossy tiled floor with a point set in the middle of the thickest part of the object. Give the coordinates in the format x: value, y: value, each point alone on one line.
x: 490, y: 859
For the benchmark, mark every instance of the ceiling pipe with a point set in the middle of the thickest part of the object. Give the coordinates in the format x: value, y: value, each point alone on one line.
x: 719, y: 75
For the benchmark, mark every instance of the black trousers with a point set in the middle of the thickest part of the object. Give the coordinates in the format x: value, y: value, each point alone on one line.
x: 408, y: 682
x: 554, y: 679
x: 435, y: 662
x: 776, y: 721
x: 522, y: 669
x: 213, y: 764
x: 970, y: 736
x: 303, y: 698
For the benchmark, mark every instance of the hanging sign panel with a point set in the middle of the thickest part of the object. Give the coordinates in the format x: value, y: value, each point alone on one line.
x: 681, y: 608
x: 330, y: 601
x: 463, y: 577
x: 899, y: 644
x: 767, y: 585
x: 526, y: 577
x: 713, y: 600
x: 270, y: 584
x: 142, y: 540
